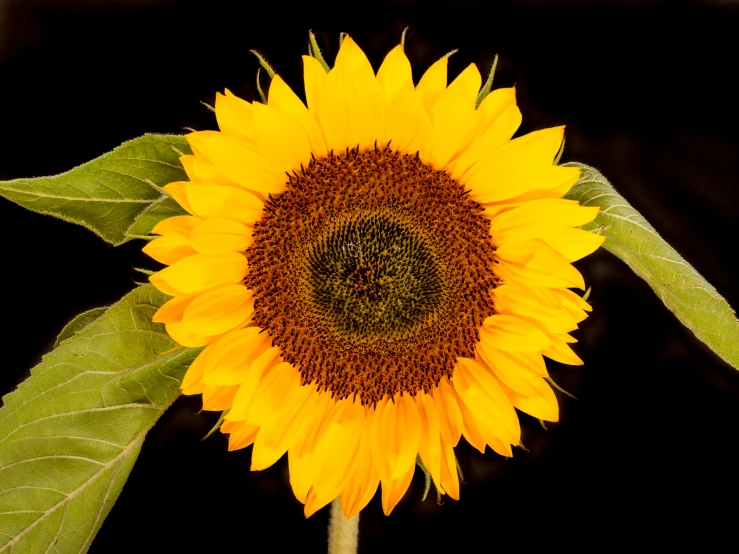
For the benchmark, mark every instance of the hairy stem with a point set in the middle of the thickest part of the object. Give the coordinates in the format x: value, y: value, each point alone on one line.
x: 342, y: 533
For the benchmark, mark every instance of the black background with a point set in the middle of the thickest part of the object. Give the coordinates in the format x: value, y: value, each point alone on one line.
x: 645, y: 455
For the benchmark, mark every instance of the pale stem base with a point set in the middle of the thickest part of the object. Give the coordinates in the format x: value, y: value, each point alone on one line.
x: 343, y: 533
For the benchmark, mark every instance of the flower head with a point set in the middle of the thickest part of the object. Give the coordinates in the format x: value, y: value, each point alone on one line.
x: 375, y: 275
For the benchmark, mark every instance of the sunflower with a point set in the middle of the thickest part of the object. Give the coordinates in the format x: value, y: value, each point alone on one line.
x: 374, y: 275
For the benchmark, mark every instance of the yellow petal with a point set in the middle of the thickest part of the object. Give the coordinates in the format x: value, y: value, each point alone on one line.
x: 500, y: 118
x: 476, y: 429
x: 364, y: 480
x: 450, y: 417
x: 300, y: 454
x: 234, y: 117
x: 541, y: 405
x: 531, y: 364
x: 512, y: 334
x: 482, y: 393
x: 200, y: 272
x: 574, y: 244
x: 284, y: 99
x: 396, y: 435
x: 242, y: 436
x: 203, y: 173
x: 240, y: 163
x: 395, y: 74
x: 471, y: 429
x: 227, y: 360
x: 191, y: 383
x: 433, y: 83
x: 288, y: 423
x: 226, y: 202
x: 519, y: 166
x: 351, y: 106
x: 549, y: 220
x: 537, y: 264
x: 454, y: 119
x: 560, y: 352
x: 430, y: 447
x: 177, y: 191
x: 493, y: 107
x: 171, y: 311
x: 250, y: 382
x: 168, y: 250
x: 538, y: 305
x: 393, y: 491
x: 183, y: 336
x: 333, y: 453
x: 299, y: 469
x: 509, y: 178
x: 408, y: 426
x: 280, y: 139
x: 573, y: 304
x: 175, y: 242
x: 218, y: 235
x: 187, y: 161
x: 218, y: 310
x: 325, y: 406
x: 177, y: 225
x: 194, y: 140
x: 408, y: 126
x: 217, y: 399
x: 557, y: 190
x: 537, y: 219
x: 449, y: 472
x: 251, y: 379
x: 280, y: 383
x: 314, y: 77
x: 507, y: 369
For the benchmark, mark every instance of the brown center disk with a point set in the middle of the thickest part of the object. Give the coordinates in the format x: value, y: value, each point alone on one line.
x: 372, y: 273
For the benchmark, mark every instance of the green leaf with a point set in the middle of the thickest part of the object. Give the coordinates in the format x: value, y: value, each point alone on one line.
x: 107, y: 194
x: 630, y: 237
x: 78, y: 324
x: 71, y: 432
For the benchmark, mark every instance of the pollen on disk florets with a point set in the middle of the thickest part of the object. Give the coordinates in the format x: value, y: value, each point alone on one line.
x: 372, y: 273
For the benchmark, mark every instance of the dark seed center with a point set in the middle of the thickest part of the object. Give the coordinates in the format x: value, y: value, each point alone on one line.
x: 372, y: 273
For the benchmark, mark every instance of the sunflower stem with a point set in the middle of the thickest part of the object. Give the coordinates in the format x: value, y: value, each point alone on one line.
x: 343, y: 533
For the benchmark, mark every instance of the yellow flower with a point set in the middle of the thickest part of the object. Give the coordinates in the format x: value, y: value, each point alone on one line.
x: 394, y: 292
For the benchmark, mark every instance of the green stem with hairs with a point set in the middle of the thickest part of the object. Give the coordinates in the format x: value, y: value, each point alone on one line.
x: 343, y: 533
